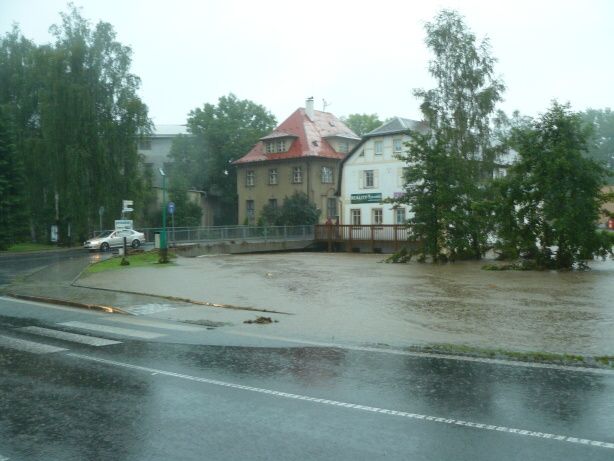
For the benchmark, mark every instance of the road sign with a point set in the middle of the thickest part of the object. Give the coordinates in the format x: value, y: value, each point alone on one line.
x: 127, y: 206
x: 121, y: 224
x: 171, y: 207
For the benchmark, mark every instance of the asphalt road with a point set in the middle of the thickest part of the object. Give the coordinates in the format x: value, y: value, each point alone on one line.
x: 80, y: 385
x: 15, y: 265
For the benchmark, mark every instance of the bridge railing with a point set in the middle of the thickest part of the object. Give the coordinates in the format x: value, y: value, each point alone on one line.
x: 222, y: 233
x: 361, y: 233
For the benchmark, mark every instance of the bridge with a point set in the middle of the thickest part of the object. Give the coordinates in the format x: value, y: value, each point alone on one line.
x: 194, y: 241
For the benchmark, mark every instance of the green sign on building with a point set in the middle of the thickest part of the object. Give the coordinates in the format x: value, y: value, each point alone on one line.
x: 366, y: 198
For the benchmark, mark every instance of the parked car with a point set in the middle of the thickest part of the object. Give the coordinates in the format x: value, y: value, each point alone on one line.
x: 113, y: 239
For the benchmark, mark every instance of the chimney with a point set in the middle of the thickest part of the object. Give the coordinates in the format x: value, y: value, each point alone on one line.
x: 309, y: 108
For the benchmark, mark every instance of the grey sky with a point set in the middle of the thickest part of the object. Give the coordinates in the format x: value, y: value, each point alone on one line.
x: 363, y: 57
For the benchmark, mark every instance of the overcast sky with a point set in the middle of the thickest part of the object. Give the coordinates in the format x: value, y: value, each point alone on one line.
x: 361, y: 57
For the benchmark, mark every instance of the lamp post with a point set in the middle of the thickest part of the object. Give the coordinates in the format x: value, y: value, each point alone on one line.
x: 163, y: 247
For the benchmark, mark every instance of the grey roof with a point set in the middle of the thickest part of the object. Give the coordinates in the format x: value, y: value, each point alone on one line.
x: 169, y: 130
x: 396, y: 125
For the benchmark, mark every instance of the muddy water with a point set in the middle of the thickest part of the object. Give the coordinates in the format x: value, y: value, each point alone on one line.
x: 359, y: 299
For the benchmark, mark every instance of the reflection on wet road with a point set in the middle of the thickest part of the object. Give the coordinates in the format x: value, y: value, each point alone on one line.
x: 136, y: 400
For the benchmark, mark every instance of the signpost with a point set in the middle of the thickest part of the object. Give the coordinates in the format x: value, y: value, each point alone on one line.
x: 100, y: 213
x: 121, y: 224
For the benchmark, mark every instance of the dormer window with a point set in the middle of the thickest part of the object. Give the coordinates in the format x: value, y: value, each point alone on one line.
x: 276, y: 146
x: 344, y: 146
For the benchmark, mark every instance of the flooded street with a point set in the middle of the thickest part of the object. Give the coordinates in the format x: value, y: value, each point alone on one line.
x: 357, y: 298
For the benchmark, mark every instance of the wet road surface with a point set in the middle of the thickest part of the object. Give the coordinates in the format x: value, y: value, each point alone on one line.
x: 141, y: 389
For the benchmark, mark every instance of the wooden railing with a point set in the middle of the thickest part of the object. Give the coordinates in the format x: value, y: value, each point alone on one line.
x: 347, y: 233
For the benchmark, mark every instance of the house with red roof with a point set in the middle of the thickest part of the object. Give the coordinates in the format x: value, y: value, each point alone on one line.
x: 303, y: 154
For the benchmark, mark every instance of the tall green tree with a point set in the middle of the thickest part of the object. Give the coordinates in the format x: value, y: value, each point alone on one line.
x: 551, y: 198
x: 450, y: 164
x: 78, y: 119
x: 361, y: 124
x: 223, y: 133
x: 13, y: 215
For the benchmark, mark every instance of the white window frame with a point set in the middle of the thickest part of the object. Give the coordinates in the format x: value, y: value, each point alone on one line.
x: 377, y: 216
x: 270, y: 147
x: 326, y: 175
x: 355, y: 216
x: 368, y: 174
x: 280, y: 145
x: 273, y: 203
x: 398, y: 212
x: 297, y: 175
x: 250, y: 178
x: 397, y: 145
x: 331, y: 212
x: 273, y: 177
x: 380, y: 145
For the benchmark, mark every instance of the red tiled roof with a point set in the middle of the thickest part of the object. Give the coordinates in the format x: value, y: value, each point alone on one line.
x: 309, y: 141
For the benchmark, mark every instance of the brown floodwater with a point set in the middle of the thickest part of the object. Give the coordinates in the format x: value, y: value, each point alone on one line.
x: 357, y: 298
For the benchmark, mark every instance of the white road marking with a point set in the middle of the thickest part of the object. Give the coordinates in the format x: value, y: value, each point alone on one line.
x: 153, y: 323
x: 28, y: 346
x: 511, y: 363
x: 112, y: 330
x: 73, y: 337
x: 147, y: 309
x: 404, y: 414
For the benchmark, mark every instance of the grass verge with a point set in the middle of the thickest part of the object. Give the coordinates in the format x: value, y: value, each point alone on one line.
x: 147, y: 259
x: 605, y: 361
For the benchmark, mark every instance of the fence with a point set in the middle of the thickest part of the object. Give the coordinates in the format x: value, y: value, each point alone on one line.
x: 223, y: 233
x: 388, y: 233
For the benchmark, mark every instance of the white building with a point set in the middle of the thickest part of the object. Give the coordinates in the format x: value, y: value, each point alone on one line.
x: 371, y: 173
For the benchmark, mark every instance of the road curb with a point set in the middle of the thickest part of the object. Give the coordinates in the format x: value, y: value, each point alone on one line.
x: 66, y: 302
x: 185, y: 300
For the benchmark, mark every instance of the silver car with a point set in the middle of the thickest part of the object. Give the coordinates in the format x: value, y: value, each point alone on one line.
x: 113, y: 239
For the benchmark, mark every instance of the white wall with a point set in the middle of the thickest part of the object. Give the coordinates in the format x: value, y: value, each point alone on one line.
x: 388, y: 180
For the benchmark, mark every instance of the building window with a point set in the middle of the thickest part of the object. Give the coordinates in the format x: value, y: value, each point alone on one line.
x: 344, y: 146
x: 378, y: 216
x: 297, y: 175
x: 273, y: 203
x: 368, y: 179
x: 397, y: 145
x: 355, y: 212
x: 250, y: 178
x: 379, y: 147
x: 400, y: 215
x: 331, y: 207
x: 275, y: 146
x: 251, y: 210
x: 327, y: 175
x: 273, y: 176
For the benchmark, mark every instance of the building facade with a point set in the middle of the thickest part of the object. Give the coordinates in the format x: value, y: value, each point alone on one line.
x: 302, y: 154
x: 372, y: 173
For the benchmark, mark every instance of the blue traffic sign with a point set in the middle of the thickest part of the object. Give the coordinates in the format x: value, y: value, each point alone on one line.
x: 171, y: 207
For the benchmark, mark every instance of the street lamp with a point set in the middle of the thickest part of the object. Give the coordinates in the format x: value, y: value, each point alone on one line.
x: 163, y: 246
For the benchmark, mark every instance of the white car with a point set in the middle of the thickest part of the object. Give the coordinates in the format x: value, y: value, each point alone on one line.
x: 113, y: 239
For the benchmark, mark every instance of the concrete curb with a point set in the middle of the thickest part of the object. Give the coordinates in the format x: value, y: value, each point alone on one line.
x: 66, y: 302
x: 185, y: 300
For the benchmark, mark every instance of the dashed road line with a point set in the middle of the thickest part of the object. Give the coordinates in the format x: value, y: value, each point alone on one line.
x: 113, y: 330
x: 73, y: 337
x: 28, y: 346
x: 511, y: 363
x: 404, y: 414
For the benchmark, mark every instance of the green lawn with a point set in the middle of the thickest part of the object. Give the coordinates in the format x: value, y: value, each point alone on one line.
x: 147, y: 259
